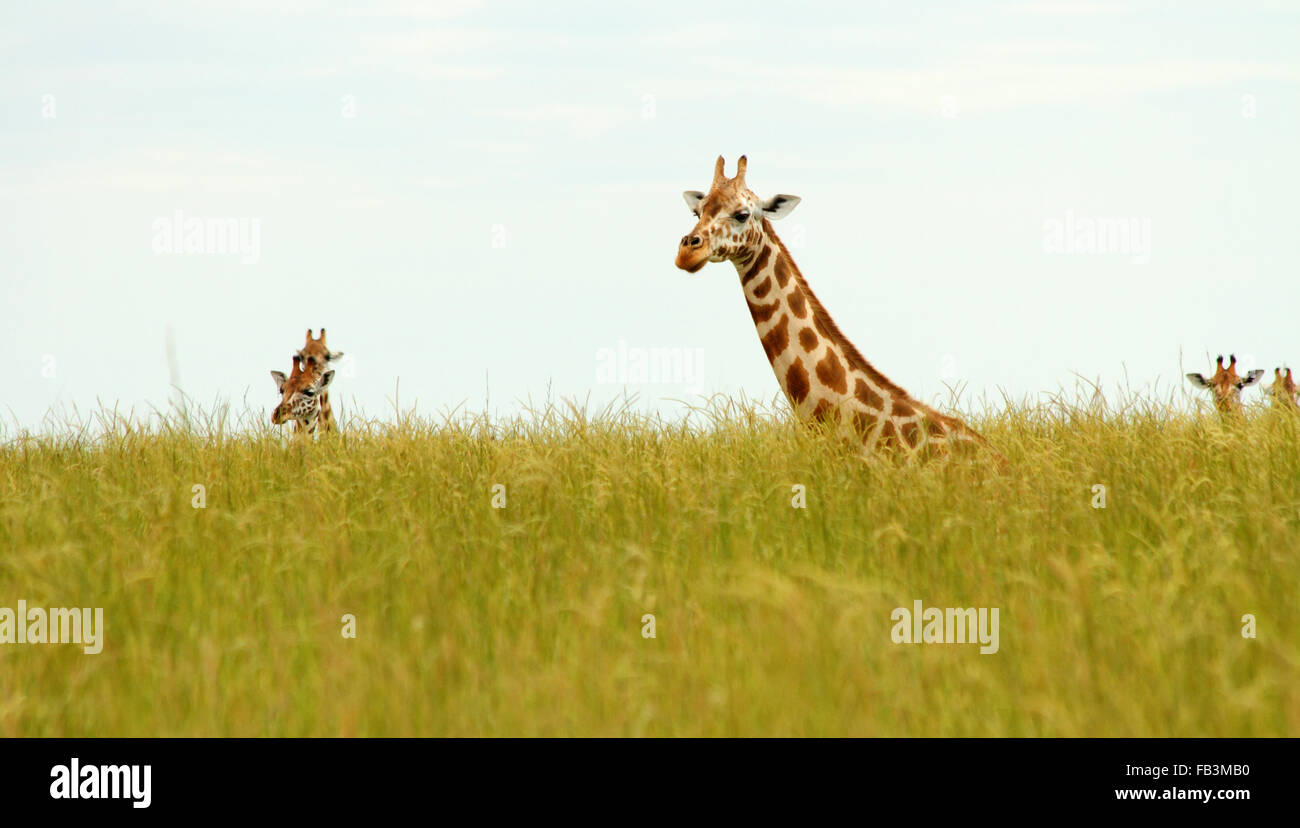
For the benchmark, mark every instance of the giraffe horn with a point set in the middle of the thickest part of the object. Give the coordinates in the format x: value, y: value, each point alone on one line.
x: 719, y: 172
x: 740, y: 170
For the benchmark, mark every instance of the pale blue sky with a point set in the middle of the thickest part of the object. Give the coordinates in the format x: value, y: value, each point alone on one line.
x: 505, y: 201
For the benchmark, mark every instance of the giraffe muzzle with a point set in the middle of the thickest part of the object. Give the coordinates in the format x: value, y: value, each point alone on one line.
x: 692, y: 254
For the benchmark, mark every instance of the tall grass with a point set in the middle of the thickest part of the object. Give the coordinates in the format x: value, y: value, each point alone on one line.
x: 770, y: 620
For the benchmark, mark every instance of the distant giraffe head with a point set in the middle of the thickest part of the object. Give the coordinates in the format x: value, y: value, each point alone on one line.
x: 1226, y: 385
x: 300, y: 396
x: 732, y: 220
x: 315, y: 355
x: 1284, y: 389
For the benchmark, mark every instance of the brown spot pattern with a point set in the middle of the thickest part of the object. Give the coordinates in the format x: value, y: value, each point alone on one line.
x: 863, y: 423
x: 911, y: 433
x: 783, y: 270
x: 798, y: 304
x: 901, y: 408
x: 831, y: 372
x: 758, y: 265
x: 822, y: 327
x: 888, y: 435
x: 796, y: 382
x: 825, y: 412
x: 864, y: 393
x: 761, y: 290
x: 762, y: 313
x: 808, y: 339
x: 778, y: 338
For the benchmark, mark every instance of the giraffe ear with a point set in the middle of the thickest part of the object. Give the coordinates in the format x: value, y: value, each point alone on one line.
x: 324, y: 381
x: 333, y: 355
x: 693, y: 199
x: 1198, y: 380
x: 779, y: 206
x: 280, y: 380
x: 1252, y: 377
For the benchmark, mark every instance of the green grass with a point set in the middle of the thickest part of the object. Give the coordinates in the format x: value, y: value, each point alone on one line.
x: 222, y: 621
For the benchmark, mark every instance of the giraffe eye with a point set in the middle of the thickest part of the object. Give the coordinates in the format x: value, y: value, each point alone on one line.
x: 741, y: 217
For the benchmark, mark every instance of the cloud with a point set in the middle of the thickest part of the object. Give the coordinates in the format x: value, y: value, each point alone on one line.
x: 428, y: 54
x: 412, y: 9
x: 198, y: 170
x: 1074, y: 8
x: 428, y: 42
x: 409, y: 9
x: 1095, y: 8
x: 987, y: 86
x: 582, y: 121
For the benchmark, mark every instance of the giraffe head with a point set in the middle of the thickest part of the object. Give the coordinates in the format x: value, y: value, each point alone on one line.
x: 732, y: 220
x: 1284, y: 389
x: 299, y: 394
x: 315, y: 355
x: 1226, y: 385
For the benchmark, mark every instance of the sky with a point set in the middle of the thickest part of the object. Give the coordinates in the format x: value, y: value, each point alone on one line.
x: 481, y: 201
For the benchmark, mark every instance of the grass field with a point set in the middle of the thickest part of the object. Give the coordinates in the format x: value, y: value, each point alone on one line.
x: 769, y: 620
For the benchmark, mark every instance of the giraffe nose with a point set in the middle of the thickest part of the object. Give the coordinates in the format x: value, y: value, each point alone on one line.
x: 692, y: 241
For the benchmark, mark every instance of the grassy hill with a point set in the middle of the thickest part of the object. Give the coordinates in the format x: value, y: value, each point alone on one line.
x: 769, y: 619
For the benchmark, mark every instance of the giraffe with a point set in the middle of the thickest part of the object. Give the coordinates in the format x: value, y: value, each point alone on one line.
x: 1226, y: 386
x: 1284, y: 390
x: 822, y: 374
x: 317, y: 357
x: 300, y: 397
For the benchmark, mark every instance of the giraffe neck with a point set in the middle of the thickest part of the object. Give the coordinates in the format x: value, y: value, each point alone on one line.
x: 326, y: 415
x: 821, y: 372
